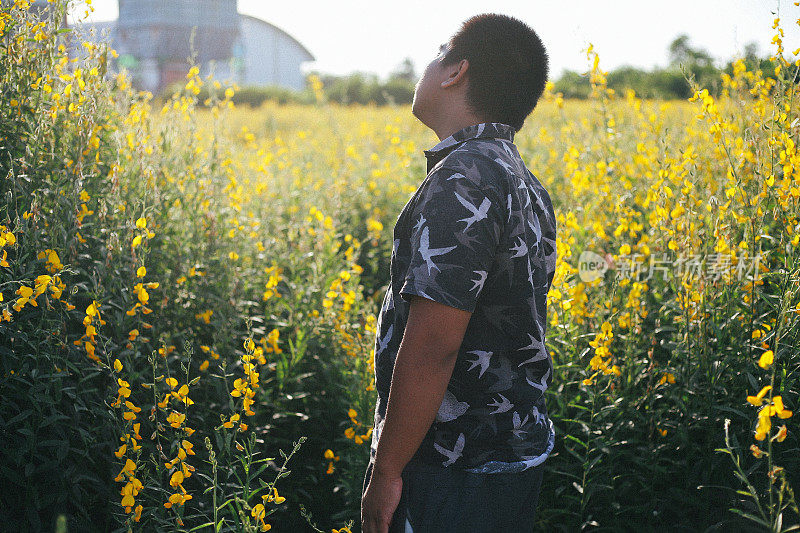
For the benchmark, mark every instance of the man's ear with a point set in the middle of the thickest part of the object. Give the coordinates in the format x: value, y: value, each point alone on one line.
x: 456, y: 73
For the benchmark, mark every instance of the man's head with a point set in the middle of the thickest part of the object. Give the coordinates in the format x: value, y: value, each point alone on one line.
x: 495, y: 68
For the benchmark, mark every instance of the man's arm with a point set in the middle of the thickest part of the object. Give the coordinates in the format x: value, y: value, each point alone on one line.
x: 422, y: 370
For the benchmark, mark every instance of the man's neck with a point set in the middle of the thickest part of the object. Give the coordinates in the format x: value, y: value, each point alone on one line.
x: 445, y: 130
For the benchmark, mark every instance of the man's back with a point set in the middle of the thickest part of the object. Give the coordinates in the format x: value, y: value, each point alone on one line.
x: 479, y: 235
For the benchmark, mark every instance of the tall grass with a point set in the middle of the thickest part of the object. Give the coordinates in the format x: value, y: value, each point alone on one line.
x: 189, y: 297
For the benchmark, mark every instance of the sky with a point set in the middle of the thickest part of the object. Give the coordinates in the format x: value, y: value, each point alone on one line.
x: 374, y: 36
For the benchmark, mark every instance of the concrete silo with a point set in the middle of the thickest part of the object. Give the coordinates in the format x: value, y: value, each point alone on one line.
x: 156, y: 36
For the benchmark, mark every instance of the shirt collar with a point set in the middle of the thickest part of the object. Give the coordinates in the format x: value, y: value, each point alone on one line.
x: 476, y: 131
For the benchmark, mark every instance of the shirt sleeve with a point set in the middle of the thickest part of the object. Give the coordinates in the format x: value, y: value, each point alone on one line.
x: 457, y: 223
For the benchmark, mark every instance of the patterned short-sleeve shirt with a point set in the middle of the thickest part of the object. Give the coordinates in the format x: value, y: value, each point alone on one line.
x: 479, y: 234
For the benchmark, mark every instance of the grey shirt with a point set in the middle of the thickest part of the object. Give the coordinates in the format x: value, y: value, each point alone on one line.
x: 479, y: 234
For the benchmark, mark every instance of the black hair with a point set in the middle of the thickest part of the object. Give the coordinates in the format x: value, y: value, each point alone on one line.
x: 508, y: 66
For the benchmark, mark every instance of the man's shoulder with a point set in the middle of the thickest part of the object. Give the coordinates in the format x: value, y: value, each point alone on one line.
x: 484, y: 162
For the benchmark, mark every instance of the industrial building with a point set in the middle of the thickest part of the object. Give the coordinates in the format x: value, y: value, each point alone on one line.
x: 158, y: 40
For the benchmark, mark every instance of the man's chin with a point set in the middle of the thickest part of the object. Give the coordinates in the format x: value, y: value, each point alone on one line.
x: 415, y: 109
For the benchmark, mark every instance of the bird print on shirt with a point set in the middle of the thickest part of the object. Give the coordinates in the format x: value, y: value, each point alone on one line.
x: 523, y: 185
x: 384, y: 342
x: 507, y: 148
x: 502, y: 406
x: 538, y: 417
x: 457, y: 176
x: 453, y: 454
x: 504, y: 164
x: 537, y: 230
x: 482, y: 360
x: 540, y: 384
x: 518, y: 424
x: 450, y: 408
x: 470, y: 241
x: 505, y: 376
x: 520, y: 248
x: 485, y: 420
x: 537, y: 345
x: 428, y: 253
x: 478, y: 283
x: 530, y: 276
x: 478, y: 213
x: 420, y: 222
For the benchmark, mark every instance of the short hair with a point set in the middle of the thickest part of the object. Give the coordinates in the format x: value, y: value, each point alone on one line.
x: 508, y: 66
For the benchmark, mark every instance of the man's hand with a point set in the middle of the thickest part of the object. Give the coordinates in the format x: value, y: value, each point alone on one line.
x: 380, y: 502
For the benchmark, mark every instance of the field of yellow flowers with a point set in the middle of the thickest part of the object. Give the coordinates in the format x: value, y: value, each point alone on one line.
x: 188, y: 299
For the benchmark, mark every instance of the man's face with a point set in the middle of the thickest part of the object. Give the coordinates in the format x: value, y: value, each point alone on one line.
x: 427, y: 90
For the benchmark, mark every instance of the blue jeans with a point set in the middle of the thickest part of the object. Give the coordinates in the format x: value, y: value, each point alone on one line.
x: 437, y: 499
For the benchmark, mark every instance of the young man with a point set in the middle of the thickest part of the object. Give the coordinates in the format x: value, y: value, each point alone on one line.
x: 461, y: 427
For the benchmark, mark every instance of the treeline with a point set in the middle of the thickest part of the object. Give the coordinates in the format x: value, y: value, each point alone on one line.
x: 670, y: 82
x: 666, y: 83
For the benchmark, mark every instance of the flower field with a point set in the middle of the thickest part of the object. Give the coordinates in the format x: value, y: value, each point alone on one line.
x: 188, y: 298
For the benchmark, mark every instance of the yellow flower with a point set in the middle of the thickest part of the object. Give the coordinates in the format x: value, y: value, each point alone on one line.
x: 176, y: 419
x: 127, y: 470
x: 240, y: 386
x: 141, y: 272
x: 777, y: 408
x: 127, y: 502
x: 177, y: 499
x: 117, y: 365
x: 258, y: 512
x: 249, y: 345
x: 328, y: 454
x: 766, y: 359
x: 121, y: 451
x: 667, y: 377
x: 141, y: 223
x: 176, y: 479
x: 764, y: 424
x: 41, y: 283
x: 759, y: 398
x: 231, y: 420
x: 25, y: 292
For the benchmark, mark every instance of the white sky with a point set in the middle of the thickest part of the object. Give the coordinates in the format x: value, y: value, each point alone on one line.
x: 375, y: 36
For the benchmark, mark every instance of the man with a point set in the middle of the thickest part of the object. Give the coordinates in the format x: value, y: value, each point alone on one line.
x: 461, y: 427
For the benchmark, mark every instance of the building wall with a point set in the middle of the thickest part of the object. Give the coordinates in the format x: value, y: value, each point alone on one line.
x: 254, y: 52
x: 271, y: 57
x: 162, y: 30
